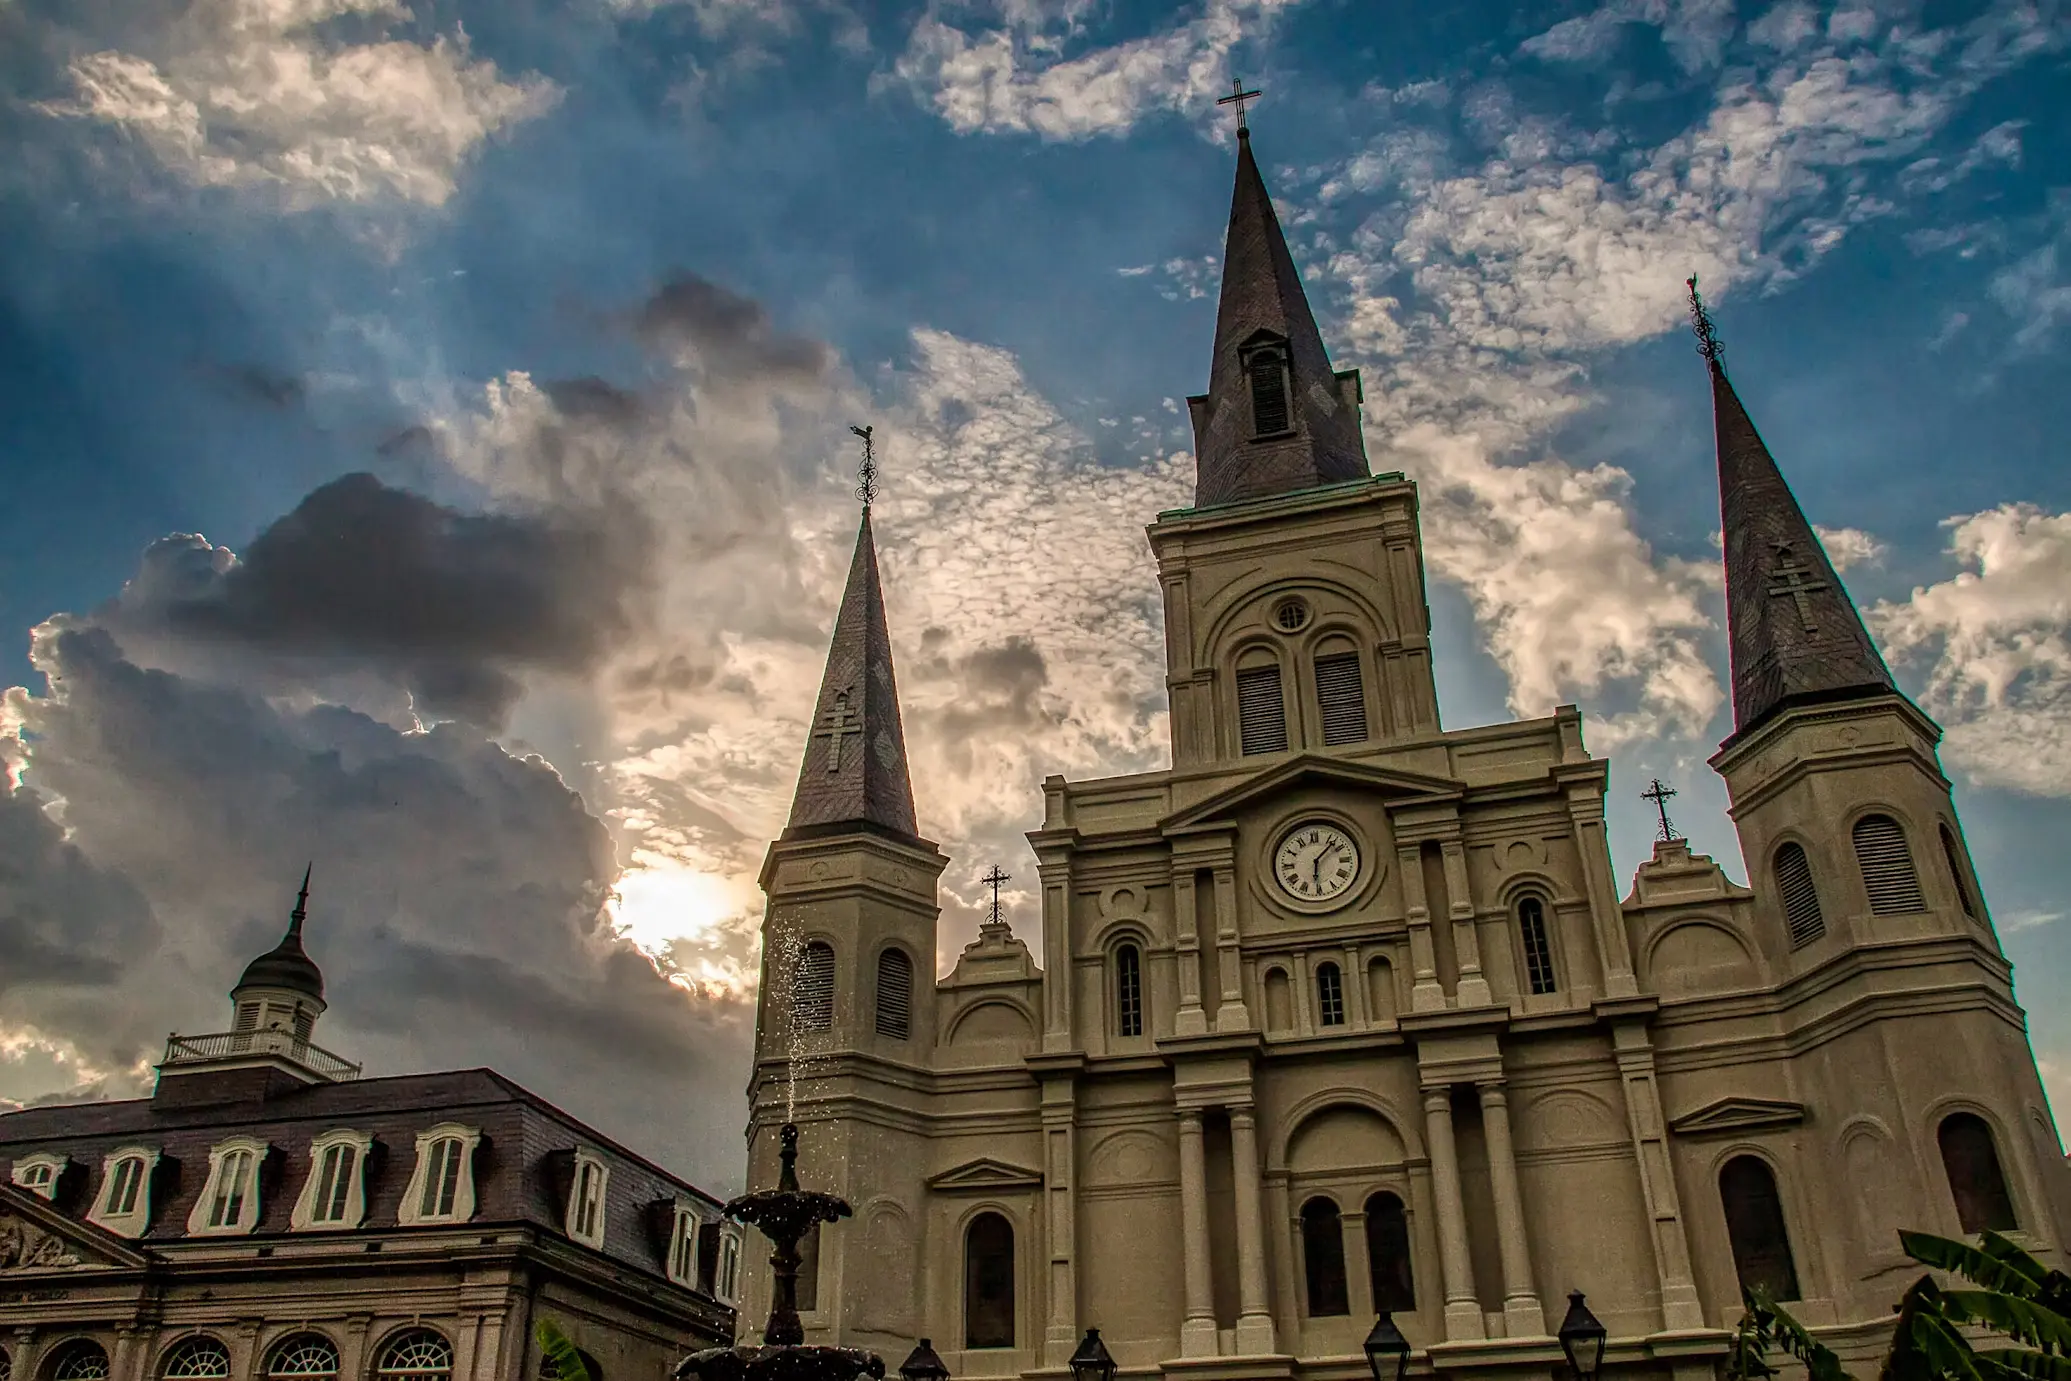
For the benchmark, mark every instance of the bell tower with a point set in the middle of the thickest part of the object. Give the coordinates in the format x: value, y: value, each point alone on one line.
x: 1295, y: 615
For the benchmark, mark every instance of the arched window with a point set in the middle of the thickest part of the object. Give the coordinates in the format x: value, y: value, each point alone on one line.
x: 123, y: 1187
x: 416, y: 1354
x: 1261, y: 705
x: 1887, y: 866
x: 1341, y: 697
x: 1268, y: 373
x: 1128, y: 991
x: 1957, y: 874
x: 1323, y: 1258
x: 1755, y: 1227
x: 82, y: 1359
x: 1799, y: 895
x: 1387, y: 1255
x: 894, y: 994
x: 303, y: 1357
x: 198, y: 1358
x: 989, y: 1282
x: 443, y: 1159
x: 1538, y: 949
x: 1975, y: 1178
x: 812, y: 988
x: 1330, y: 995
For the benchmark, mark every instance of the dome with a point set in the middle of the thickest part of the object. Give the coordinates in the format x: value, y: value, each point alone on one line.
x: 287, y: 965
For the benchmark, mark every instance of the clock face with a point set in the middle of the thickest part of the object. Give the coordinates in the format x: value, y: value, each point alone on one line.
x: 1316, y: 862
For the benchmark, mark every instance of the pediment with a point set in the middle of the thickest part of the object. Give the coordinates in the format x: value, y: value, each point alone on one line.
x: 37, y: 1240
x: 1308, y: 768
x: 1734, y: 1114
x: 986, y: 1175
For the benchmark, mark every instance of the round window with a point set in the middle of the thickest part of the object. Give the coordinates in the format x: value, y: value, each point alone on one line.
x: 1292, y: 615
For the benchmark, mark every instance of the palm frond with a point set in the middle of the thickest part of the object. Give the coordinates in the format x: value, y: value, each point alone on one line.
x: 1997, y: 1264
x: 2023, y: 1364
x: 2020, y: 1319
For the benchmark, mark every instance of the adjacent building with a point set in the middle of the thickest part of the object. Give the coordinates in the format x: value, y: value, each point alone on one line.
x: 268, y: 1213
x: 1344, y: 1012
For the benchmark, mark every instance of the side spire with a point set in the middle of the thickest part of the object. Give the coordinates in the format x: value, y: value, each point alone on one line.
x: 1794, y: 635
x: 854, y: 773
x: 1276, y: 418
x: 301, y: 911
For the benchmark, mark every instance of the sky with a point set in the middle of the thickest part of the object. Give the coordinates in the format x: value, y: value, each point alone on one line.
x: 425, y: 437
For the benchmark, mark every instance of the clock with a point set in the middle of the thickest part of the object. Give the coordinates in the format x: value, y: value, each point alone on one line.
x: 1316, y: 862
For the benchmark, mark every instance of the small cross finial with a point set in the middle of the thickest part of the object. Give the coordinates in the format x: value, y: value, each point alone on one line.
x: 1237, y: 97
x: 866, y: 476
x: 1659, y: 793
x: 995, y: 879
x: 1708, y: 343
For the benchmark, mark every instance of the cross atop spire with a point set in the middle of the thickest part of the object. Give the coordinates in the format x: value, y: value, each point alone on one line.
x: 1237, y: 97
x: 854, y: 773
x: 866, y: 474
x: 1794, y: 635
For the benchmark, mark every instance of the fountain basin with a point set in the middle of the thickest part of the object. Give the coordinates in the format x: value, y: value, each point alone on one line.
x: 782, y: 1362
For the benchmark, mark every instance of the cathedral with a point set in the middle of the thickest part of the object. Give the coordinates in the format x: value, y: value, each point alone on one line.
x: 1343, y: 1013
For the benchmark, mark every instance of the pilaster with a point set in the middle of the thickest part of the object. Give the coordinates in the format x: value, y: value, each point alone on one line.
x: 1060, y: 1217
x: 1635, y: 1052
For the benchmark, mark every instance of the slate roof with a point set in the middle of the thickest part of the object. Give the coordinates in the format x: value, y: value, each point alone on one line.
x: 854, y: 772
x: 1794, y: 634
x: 519, y: 1177
x: 1261, y: 291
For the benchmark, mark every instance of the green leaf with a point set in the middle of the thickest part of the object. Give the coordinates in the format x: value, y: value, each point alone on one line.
x: 2019, y: 1319
x: 561, y: 1351
x: 2020, y: 1362
x: 1996, y: 1265
x: 1820, y: 1362
x: 1908, y: 1360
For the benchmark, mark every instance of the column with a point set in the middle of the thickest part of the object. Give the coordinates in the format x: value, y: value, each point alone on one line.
x: 1254, y: 1313
x: 1356, y: 1012
x: 1522, y: 1315
x: 1191, y: 1019
x: 1197, y: 1332
x: 1463, y: 1321
x: 1058, y: 973
x: 1426, y: 995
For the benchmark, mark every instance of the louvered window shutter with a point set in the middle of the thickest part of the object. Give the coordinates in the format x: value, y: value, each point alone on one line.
x: 1800, y: 896
x: 1268, y: 395
x: 1261, y: 714
x: 1887, y: 866
x: 894, y: 994
x: 812, y: 989
x: 1343, y: 698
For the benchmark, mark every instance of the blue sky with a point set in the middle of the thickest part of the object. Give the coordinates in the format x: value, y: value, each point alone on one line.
x: 591, y: 290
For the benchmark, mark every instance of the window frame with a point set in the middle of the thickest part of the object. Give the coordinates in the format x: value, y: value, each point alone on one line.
x: 1331, y: 652
x: 295, y: 1339
x: 1815, y: 928
x: 225, y: 1154
x: 727, y: 1279
x: 45, y: 1185
x: 162, y: 1369
x: 381, y: 1371
x: 1330, y: 994
x: 410, y: 1212
x: 1918, y: 895
x: 589, y: 1189
x: 1953, y: 854
x: 1783, y: 1225
x: 1530, y: 957
x: 54, y: 1362
x: 1269, y: 354
x: 1312, y: 1243
x: 137, y: 1218
x: 308, y: 1215
x: 2005, y: 1187
x: 992, y: 1213
x: 1270, y: 665
x: 893, y: 955
x: 1128, y: 976
x: 813, y: 1020
x: 681, y: 1263
x: 1376, y: 1261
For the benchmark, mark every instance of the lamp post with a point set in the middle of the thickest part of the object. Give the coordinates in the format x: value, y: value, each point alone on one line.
x: 1582, y: 1338
x: 1387, y: 1351
x: 1092, y: 1362
x: 922, y: 1364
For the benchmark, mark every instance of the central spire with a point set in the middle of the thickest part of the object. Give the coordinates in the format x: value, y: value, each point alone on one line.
x: 1276, y: 418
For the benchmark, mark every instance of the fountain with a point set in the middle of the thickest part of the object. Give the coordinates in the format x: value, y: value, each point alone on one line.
x: 783, y: 1215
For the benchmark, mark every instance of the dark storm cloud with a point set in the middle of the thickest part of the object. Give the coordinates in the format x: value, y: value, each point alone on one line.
x: 255, y: 383
x: 729, y: 332
x: 591, y: 399
x: 1000, y: 689
x: 458, y: 909
x: 451, y: 605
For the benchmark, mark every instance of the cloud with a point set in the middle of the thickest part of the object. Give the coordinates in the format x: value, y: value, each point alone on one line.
x: 1695, y: 31
x: 1994, y: 643
x: 1851, y: 546
x: 1015, y: 78
x: 361, y: 577
x: 266, y: 96
x: 459, y: 910
x: 723, y: 330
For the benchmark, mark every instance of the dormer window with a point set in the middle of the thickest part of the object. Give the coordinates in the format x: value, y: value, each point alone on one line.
x: 123, y: 1206
x: 586, y: 1199
x: 1265, y: 369
x: 729, y: 1264
x: 442, y: 1187
x: 39, y: 1174
x: 229, y: 1202
x: 334, y: 1196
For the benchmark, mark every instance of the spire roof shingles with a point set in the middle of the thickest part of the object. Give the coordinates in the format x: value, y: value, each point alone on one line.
x: 854, y: 773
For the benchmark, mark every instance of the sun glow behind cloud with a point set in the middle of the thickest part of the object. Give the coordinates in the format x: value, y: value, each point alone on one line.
x: 667, y: 908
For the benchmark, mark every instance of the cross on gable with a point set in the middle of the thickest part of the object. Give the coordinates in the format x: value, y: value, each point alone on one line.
x: 995, y: 879
x: 1660, y: 792
x: 1796, y: 580
x: 841, y: 723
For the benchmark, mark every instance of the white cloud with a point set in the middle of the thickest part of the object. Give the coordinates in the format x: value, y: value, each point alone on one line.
x: 1695, y: 31
x: 259, y: 94
x: 1995, y: 643
x: 1851, y: 546
x: 1016, y: 78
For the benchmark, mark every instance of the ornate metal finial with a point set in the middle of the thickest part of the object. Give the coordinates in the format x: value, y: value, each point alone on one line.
x: 866, y: 477
x: 1659, y: 793
x: 301, y: 911
x: 995, y: 879
x: 1237, y: 97
x: 1708, y: 343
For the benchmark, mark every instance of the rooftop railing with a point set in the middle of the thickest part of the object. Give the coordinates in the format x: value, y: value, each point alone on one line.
x: 222, y: 1045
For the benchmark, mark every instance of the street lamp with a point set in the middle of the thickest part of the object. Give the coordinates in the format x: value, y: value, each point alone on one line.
x: 1387, y: 1351
x: 922, y: 1364
x: 1092, y: 1361
x: 1582, y: 1338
